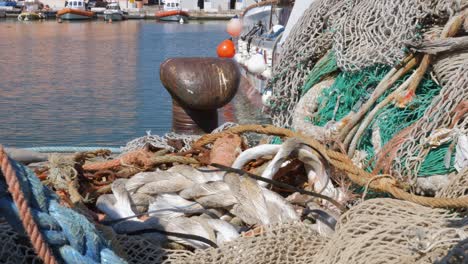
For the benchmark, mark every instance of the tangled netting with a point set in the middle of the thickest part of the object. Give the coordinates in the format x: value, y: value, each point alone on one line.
x: 15, y: 248
x: 282, y: 243
x: 375, y: 231
x: 69, y: 234
x: 164, y: 142
x: 362, y: 34
x: 457, y: 187
x: 139, y: 250
x: 447, y: 110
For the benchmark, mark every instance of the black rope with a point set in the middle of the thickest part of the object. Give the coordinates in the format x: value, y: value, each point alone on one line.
x: 180, y: 235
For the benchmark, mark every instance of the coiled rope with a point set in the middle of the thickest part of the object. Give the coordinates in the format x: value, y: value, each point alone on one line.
x: 342, y: 162
x: 58, y: 234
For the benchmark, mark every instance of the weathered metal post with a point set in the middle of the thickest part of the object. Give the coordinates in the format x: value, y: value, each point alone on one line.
x: 199, y: 86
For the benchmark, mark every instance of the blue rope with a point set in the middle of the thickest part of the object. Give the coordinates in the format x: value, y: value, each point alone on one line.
x: 70, y: 149
x: 70, y: 235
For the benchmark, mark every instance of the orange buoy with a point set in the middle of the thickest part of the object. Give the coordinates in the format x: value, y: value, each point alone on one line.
x: 234, y: 27
x: 226, y: 49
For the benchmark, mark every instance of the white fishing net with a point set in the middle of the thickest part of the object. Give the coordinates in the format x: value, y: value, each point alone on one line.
x: 443, y: 120
x: 362, y: 33
x: 168, y: 141
x: 375, y: 231
x: 309, y: 40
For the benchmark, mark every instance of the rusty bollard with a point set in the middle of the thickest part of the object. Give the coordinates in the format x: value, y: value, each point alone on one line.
x: 199, y: 86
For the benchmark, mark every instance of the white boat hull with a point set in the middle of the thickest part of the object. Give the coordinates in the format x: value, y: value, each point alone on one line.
x: 113, y: 17
x: 174, y: 18
x: 70, y: 16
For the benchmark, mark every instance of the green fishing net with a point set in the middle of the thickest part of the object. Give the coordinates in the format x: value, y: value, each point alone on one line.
x: 324, y: 67
x: 351, y: 89
x: 349, y: 92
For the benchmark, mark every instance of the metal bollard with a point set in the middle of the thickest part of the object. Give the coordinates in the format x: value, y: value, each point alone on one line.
x: 199, y: 86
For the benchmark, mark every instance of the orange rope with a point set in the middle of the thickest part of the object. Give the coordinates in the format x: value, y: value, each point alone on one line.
x: 37, y: 240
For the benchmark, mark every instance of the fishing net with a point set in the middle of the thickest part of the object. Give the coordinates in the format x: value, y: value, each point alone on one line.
x: 422, y: 147
x: 171, y: 141
x: 393, y: 231
x: 348, y: 93
x: 309, y: 40
x: 362, y: 34
x: 138, y: 250
x: 375, y: 32
x: 375, y: 231
x: 15, y: 248
x: 282, y: 243
x: 457, y: 187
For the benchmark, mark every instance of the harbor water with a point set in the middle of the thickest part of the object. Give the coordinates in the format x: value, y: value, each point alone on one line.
x: 94, y: 83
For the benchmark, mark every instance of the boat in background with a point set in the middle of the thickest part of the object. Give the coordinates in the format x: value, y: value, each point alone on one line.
x: 172, y: 12
x: 31, y: 11
x: 75, y: 10
x: 113, y: 12
x: 257, y: 47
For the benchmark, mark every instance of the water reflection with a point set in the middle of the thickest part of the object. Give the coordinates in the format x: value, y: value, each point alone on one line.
x: 91, y: 83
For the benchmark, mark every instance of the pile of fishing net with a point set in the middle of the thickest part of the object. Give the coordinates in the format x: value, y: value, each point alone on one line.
x: 140, y: 214
x: 375, y: 231
x: 380, y: 81
x: 375, y: 92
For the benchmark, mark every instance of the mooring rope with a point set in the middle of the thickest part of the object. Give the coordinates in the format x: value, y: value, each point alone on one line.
x: 58, y: 234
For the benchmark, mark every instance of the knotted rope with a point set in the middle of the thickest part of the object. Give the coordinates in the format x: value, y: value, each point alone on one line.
x: 58, y: 234
x: 342, y: 162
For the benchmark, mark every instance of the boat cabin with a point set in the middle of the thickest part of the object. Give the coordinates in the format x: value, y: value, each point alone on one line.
x: 31, y: 5
x: 75, y: 4
x: 172, y: 5
x: 113, y: 6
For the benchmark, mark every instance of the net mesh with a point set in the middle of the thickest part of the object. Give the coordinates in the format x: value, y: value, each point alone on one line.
x: 309, y: 40
x: 375, y: 231
x: 15, y: 248
x: 282, y: 243
x: 138, y: 250
x: 446, y: 111
x: 362, y: 34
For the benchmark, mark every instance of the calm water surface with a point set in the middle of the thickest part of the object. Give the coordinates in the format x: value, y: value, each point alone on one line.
x: 93, y: 83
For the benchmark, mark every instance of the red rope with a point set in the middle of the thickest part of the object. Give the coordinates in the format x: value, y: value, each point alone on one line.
x: 38, y: 242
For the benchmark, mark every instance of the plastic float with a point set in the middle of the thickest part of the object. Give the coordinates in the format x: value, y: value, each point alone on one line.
x: 234, y: 27
x: 226, y: 49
